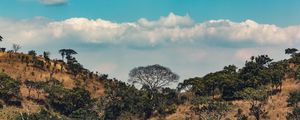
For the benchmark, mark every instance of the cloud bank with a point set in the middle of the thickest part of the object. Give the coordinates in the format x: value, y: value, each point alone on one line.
x: 166, y: 30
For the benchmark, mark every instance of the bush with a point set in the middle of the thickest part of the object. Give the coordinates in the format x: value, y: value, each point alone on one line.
x: 295, y: 115
x: 42, y: 115
x: 84, y: 114
x: 67, y: 101
x: 10, y: 90
x: 294, y: 98
x: 1, y: 105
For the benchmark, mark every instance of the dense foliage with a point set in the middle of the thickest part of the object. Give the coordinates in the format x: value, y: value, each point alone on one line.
x: 122, y: 99
x: 10, y: 90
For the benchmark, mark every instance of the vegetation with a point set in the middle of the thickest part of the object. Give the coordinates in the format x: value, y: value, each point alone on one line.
x: 16, y: 47
x: 147, y: 94
x: 10, y: 90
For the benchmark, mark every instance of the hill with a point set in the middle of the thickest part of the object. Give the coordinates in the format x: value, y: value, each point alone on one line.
x: 23, y: 68
x: 36, y: 88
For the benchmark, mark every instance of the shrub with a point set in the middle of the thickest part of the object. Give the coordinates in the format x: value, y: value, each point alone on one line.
x: 294, y: 98
x: 42, y: 115
x: 10, y: 90
x: 295, y: 115
x: 67, y: 101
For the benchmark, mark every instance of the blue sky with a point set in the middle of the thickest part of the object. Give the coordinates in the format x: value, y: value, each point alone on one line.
x: 192, y: 37
x: 278, y: 12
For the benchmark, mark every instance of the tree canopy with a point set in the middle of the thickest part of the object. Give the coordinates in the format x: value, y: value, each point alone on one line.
x: 153, y: 76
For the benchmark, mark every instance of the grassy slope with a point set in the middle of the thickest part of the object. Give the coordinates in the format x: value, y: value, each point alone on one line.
x: 276, y: 105
x: 18, y: 70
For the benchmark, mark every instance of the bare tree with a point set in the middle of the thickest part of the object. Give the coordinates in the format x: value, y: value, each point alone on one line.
x: 16, y: 47
x: 153, y: 76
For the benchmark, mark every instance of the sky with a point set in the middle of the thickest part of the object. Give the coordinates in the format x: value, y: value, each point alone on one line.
x: 191, y: 37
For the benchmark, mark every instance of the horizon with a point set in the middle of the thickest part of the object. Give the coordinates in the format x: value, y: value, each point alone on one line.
x: 191, y: 38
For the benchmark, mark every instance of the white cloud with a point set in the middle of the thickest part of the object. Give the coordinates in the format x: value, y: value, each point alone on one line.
x: 54, y: 2
x: 169, y: 29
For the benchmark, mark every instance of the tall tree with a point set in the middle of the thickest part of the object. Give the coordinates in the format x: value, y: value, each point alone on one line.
x: 153, y: 76
x: 16, y: 47
x: 46, y: 55
x: 67, y: 52
x: 62, y: 53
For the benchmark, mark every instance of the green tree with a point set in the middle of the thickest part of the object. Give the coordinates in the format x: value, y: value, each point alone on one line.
x: 67, y: 52
x: 46, y: 55
x: 10, y: 90
x: 255, y: 73
x: 255, y: 96
x: 277, y: 72
x: 291, y: 51
x: 67, y: 101
x: 62, y: 53
x: 32, y: 53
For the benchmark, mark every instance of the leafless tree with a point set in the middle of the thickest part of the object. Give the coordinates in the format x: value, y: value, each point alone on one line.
x: 153, y: 76
x: 16, y: 47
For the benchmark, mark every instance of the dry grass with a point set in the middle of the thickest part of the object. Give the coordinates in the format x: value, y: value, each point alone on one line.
x: 8, y: 113
x: 22, y: 72
x: 18, y: 70
x: 276, y: 105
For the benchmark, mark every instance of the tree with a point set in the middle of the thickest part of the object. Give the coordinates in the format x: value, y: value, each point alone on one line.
x: 294, y: 98
x: 32, y: 53
x: 67, y: 101
x: 255, y: 72
x: 209, y: 109
x: 291, y: 51
x: 153, y: 76
x: 46, y: 55
x: 255, y: 96
x: 30, y: 85
x: 67, y: 52
x: 2, y: 49
x: 63, y: 53
x: 16, y: 47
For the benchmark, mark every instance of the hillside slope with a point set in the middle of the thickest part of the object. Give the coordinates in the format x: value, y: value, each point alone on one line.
x: 276, y: 105
x: 20, y: 66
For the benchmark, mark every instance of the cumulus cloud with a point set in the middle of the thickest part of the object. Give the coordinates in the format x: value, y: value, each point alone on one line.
x: 165, y: 30
x: 54, y: 2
